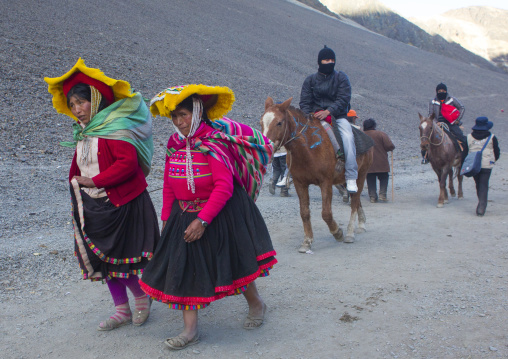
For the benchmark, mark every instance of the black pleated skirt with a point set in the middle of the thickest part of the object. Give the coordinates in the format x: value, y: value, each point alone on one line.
x: 234, y: 250
x: 113, y: 241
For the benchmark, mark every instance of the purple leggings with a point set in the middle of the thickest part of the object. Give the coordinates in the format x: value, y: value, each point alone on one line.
x: 118, y: 288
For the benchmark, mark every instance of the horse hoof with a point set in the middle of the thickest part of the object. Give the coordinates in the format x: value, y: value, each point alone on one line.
x: 360, y: 230
x: 339, y: 236
x: 349, y: 239
x: 452, y: 194
x: 304, y: 248
x: 440, y: 205
x: 446, y: 201
x: 461, y: 197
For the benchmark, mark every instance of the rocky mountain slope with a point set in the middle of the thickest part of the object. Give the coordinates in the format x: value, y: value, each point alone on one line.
x: 373, y: 15
x: 480, y: 29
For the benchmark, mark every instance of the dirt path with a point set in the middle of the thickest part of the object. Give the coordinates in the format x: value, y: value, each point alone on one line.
x: 422, y: 282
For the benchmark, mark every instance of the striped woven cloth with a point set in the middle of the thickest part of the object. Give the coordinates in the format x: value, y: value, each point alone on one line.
x: 242, y: 149
x: 128, y: 120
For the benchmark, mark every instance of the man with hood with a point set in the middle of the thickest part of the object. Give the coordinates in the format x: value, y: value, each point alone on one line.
x: 327, y: 94
x: 449, y: 110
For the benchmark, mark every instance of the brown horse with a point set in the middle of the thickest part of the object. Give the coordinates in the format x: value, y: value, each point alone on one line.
x: 311, y: 160
x: 443, y: 156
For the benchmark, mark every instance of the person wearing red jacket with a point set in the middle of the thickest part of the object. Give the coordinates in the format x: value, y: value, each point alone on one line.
x: 115, y: 224
x: 449, y: 110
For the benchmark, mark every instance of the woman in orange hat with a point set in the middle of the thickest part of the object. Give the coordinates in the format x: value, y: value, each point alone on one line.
x: 115, y: 224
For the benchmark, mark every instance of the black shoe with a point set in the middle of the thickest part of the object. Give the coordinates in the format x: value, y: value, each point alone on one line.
x: 480, y: 211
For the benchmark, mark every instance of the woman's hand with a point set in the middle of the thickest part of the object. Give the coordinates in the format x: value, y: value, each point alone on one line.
x: 163, y: 225
x: 194, y: 231
x: 85, y: 181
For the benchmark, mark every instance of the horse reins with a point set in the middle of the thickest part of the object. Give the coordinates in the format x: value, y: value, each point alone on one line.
x: 430, y: 135
x: 296, y: 134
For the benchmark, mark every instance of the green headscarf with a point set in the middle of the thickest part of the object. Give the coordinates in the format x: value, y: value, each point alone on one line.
x: 128, y: 120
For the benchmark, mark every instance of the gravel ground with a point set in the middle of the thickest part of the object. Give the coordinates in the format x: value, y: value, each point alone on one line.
x: 420, y: 283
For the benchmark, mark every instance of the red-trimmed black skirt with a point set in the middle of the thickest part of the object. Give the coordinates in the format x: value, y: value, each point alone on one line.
x: 113, y: 241
x: 234, y: 250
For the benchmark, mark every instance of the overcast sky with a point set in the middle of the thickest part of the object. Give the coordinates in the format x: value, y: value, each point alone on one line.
x: 420, y: 8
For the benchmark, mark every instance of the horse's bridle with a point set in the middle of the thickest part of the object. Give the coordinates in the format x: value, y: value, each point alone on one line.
x: 430, y: 135
x: 296, y: 135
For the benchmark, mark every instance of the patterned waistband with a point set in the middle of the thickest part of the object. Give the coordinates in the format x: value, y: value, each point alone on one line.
x: 192, y: 206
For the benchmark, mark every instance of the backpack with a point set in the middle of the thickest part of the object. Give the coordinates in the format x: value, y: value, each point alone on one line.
x: 449, y: 112
x: 473, y: 162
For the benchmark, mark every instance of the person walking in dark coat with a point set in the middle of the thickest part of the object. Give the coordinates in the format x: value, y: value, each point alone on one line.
x: 380, y: 166
x: 476, y: 140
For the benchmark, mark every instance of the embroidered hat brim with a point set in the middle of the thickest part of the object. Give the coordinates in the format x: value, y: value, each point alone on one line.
x: 121, y: 89
x: 217, y: 100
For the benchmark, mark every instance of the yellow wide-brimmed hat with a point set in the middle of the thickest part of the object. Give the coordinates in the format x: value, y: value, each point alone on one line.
x: 120, y: 89
x: 217, y: 100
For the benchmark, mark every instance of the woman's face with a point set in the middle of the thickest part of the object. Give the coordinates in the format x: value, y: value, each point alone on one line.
x: 182, y: 119
x: 81, y: 108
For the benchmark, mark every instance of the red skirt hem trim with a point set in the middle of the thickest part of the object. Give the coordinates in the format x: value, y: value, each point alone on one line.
x: 224, y: 291
x: 266, y: 255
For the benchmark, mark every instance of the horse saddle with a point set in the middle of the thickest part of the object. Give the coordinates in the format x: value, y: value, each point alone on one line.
x: 459, y: 144
x: 362, y: 141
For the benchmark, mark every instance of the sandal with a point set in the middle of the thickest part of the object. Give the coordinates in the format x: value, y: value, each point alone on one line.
x: 252, y: 322
x: 111, y: 324
x: 180, y: 342
x: 141, y: 316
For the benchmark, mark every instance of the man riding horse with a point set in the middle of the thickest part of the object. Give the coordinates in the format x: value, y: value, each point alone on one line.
x: 447, y: 109
x: 327, y: 94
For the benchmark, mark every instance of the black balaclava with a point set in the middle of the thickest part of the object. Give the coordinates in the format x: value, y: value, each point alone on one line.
x: 325, y: 54
x: 441, y: 95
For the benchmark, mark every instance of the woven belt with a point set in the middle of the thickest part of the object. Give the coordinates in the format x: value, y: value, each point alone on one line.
x: 192, y: 206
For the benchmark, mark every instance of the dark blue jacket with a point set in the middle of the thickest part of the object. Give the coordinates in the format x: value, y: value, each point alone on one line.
x: 326, y: 92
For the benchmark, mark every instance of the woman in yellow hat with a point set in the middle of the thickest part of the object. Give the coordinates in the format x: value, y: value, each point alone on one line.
x: 113, y: 151
x: 214, y: 241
